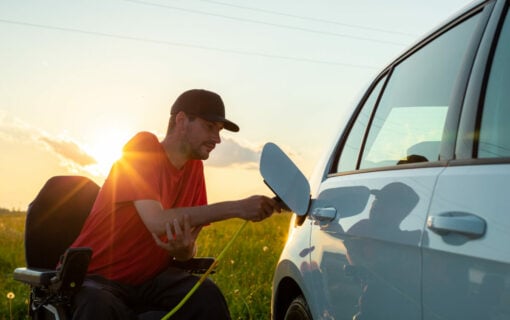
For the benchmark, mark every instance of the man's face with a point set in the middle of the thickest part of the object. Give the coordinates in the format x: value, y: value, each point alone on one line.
x: 201, y: 137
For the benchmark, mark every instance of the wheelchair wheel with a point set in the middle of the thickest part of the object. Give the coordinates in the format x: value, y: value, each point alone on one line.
x: 51, y: 312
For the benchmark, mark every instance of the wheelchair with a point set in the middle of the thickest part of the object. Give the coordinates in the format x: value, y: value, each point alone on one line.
x: 54, y: 220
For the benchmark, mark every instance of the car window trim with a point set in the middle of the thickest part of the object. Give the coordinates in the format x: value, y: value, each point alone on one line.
x: 433, y: 164
x: 383, y: 76
x: 475, y: 93
x: 451, y: 130
x: 498, y: 20
x: 482, y: 161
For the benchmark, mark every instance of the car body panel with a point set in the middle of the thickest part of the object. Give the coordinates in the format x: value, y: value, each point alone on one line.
x: 466, y: 263
x: 467, y: 277
x: 441, y: 251
x: 291, y: 270
x: 368, y: 256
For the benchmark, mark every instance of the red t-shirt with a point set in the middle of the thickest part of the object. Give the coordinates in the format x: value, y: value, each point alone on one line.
x: 123, y: 248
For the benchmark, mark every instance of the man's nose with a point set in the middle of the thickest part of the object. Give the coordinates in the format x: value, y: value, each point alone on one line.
x: 217, y: 137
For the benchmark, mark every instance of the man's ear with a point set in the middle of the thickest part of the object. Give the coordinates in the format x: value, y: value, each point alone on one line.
x: 181, y: 119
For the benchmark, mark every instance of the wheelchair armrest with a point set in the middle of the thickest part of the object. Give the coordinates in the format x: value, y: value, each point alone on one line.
x: 34, y: 277
x: 72, y: 269
x: 68, y: 276
x: 194, y: 265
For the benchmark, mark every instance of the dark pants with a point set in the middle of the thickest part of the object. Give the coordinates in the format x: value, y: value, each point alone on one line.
x: 100, y: 298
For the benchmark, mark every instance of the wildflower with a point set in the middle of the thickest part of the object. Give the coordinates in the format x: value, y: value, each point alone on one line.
x: 265, y: 248
x: 10, y: 296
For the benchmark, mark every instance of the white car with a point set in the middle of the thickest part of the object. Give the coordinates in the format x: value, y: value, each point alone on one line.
x: 408, y: 216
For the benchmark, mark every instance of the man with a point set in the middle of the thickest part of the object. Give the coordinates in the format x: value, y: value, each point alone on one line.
x: 150, y: 210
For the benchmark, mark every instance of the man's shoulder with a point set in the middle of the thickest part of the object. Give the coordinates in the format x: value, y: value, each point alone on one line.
x: 142, y: 142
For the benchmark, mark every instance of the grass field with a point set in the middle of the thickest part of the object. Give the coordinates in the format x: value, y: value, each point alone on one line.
x: 12, y: 256
x: 244, y: 275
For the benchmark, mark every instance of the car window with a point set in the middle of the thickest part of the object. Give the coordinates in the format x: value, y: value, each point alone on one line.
x: 494, y: 131
x: 352, y: 147
x: 409, y: 120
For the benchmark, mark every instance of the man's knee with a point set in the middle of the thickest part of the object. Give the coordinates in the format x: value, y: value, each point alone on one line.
x: 207, y: 302
x: 209, y: 289
x: 211, y: 300
x: 95, y: 303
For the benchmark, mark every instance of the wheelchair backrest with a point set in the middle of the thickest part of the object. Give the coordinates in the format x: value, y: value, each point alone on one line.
x: 55, y: 218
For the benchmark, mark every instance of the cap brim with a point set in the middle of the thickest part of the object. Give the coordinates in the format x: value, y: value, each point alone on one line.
x: 230, y: 126
x: 227, y: 124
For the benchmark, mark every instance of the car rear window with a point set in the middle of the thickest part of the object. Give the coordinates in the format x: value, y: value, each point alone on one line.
x: 409, y: 120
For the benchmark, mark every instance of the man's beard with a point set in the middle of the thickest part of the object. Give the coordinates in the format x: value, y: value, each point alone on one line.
x: 195, y: 152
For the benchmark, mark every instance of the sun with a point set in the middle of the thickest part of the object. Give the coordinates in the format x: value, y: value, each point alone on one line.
x: 106, y: 149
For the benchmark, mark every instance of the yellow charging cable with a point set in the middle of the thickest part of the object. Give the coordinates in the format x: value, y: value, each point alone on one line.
x: 206, y: 274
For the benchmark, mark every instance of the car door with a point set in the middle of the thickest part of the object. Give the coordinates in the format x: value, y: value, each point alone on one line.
x: 370, y: 211
x: 466, y: 261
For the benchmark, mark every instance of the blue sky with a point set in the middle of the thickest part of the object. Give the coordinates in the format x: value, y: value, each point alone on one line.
x: 80, y: 77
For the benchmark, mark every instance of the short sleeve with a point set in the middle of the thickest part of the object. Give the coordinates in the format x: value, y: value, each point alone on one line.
x: 136, y: 176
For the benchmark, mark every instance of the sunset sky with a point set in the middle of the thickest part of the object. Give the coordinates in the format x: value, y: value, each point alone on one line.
x: 80, y: 77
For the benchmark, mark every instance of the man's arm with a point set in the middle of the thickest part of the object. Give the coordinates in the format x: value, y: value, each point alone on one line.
x: 155, y: 218
x: 180, y: 243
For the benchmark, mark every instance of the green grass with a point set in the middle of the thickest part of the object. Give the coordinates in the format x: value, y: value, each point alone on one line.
x: 246, y: 271
x: 12, y: 255
x: 244, y: 275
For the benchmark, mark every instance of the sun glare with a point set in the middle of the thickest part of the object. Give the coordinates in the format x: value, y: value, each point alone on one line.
x: 106, y: 149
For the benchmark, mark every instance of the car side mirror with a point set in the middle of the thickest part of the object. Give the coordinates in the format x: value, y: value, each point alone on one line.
x: 285, y: 179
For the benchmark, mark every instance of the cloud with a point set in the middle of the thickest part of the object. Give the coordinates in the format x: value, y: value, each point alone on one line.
x: 230, y: 152
x: 233, y: 153
x: 69, y: 150
x: 13, y: 129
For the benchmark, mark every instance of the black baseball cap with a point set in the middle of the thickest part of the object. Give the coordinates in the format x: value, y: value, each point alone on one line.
x: 203, y: 104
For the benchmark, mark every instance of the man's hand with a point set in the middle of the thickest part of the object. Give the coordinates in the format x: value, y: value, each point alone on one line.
x: 181, y: 240
x: 258, y: 208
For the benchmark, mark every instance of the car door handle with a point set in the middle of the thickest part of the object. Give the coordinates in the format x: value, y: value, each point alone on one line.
x: 457, y: 222
x: 324, y: 214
